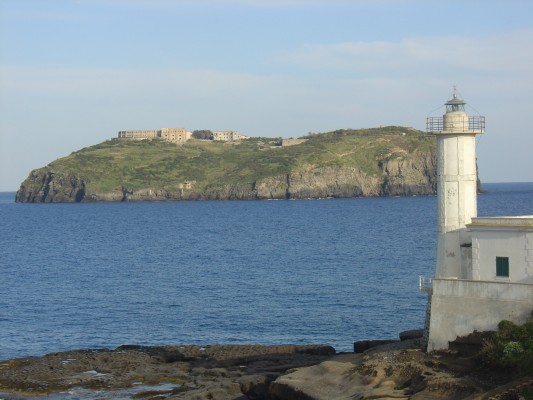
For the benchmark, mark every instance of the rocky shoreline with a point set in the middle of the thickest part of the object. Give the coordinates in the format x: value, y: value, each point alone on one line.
x: 238, y: 372
x: 399, y: 178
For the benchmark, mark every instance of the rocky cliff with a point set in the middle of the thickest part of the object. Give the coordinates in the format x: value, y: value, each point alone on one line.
x: 397, y: 177
x: 47, y: 187
x: 340, y: 165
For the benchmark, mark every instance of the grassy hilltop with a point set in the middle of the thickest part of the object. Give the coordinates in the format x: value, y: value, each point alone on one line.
x: 155, y: 165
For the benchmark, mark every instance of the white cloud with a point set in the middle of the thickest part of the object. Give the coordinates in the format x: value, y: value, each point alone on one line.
x: 503, y: 53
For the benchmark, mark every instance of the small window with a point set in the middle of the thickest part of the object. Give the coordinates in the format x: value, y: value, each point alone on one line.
x: 502, y: 266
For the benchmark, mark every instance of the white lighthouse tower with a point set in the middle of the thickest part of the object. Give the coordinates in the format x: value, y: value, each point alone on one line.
x: 484, y: 268
x: 456, y: 186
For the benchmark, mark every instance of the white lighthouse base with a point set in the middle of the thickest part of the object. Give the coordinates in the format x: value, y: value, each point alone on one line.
x: 460, y: 307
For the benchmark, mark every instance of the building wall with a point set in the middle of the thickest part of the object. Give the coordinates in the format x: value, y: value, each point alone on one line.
x: 292, y: 142
x: 510, y: 237
x: 175, y: 135
x: 228, y: 136
x: 458, y: 307
x: 138, y: 134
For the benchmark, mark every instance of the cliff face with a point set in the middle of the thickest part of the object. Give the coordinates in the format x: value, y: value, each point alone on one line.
x: 415, y: 175
x: 47, y: 187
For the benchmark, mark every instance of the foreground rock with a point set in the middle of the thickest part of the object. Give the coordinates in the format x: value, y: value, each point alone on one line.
x: 400, y: 370
x: 392, y: 371
x: 184, y: 372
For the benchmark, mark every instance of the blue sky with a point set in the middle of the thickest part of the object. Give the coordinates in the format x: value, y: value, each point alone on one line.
x: 75, y: 72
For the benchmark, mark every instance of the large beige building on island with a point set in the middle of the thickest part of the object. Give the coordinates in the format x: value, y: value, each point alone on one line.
x: 138, y: 134
x: 173, y: 135
x: 228, y: 136
x: 177, y: 135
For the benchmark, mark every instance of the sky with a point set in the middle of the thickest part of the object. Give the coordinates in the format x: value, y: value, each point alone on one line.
x: 75, y: 72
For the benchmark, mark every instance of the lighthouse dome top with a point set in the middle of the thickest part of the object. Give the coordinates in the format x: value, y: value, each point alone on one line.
x: 455, y: 104
x: 455, y: 100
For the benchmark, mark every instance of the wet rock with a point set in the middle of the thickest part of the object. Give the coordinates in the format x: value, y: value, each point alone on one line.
x: 363, y: 345
x: 412, y: 334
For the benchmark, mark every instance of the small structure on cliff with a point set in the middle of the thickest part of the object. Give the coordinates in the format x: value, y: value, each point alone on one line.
x: 292, y: 142
x: 484, y: 271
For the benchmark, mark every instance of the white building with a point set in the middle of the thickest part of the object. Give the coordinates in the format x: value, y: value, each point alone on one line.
x: 228, y: 136
x: 484, y: 271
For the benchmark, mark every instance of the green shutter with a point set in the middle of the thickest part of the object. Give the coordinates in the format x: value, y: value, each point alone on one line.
x: 502, y: 266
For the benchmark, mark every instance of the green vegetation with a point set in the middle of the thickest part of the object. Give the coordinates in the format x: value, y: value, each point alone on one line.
x: 203, y: 134
x: 161, y: 165
x: 511, y: 347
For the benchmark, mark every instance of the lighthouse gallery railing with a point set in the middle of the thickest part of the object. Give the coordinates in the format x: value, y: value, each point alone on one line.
x: 474, y: 123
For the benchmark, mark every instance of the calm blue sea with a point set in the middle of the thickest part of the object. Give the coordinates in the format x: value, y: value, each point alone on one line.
x: 211, y: 272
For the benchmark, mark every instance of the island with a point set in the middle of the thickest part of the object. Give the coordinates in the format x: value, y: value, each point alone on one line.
x: 385, y: 161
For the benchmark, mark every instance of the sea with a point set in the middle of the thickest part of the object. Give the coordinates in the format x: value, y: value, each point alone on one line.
x: 328, y: 271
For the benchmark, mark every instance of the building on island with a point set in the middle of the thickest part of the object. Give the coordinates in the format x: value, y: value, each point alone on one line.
x: 292, y: 142
x: 174, y: 135
x: 484, y: 271
x: 138, y: 135
x: 177, y: 135
x: 228, y: 136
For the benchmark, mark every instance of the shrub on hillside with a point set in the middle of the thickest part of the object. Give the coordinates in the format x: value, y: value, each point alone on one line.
x: 511, y: 346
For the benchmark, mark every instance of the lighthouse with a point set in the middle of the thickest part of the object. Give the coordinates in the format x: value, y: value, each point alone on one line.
x: 456, y: 186
x: 484, y: 271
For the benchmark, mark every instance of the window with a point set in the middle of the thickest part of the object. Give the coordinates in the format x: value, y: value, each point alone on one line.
x: 502, y: 267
